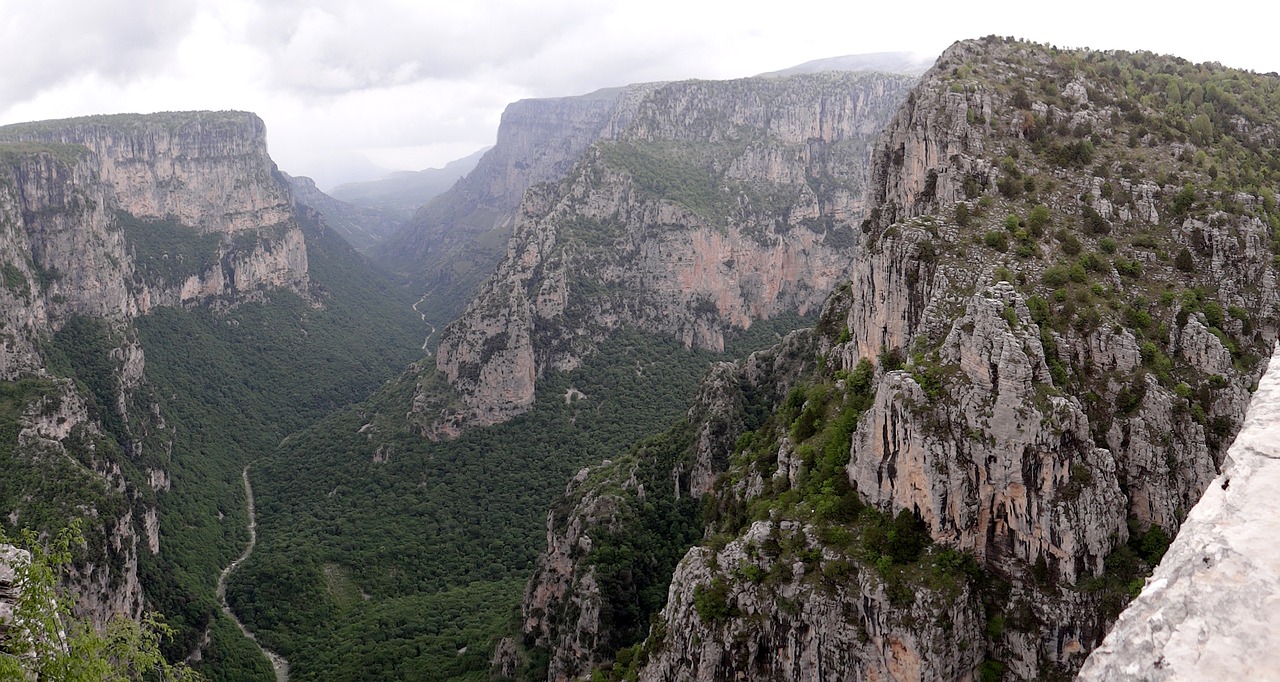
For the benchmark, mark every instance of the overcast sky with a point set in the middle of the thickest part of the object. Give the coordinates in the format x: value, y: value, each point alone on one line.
x: 348, y: 87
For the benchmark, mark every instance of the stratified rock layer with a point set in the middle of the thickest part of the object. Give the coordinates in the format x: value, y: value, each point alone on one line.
x: 103, y: 219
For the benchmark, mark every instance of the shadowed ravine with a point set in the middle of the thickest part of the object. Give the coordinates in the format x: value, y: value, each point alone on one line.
x: 278, y: 662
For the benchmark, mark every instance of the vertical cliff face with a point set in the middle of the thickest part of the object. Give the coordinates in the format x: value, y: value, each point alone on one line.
x: 717, y: 205
x: 193, y: 197
x: 101, y: 220
x: 207, y: 170
x: 1051, y: 329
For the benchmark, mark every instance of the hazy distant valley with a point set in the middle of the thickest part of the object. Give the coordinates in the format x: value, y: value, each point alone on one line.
x: 852, y: 370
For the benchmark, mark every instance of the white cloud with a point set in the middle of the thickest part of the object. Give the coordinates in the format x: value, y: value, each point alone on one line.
x: 411, y: 84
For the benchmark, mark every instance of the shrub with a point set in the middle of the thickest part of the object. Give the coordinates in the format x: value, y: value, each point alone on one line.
x: 996, y: 240
x: 1107, y: 244
x: 1183, y: 261
x: 1094, y: 222
x: 1184, y: 200
x: 1070, y: 243
x: 712, y: 601
x: 1038, y: 219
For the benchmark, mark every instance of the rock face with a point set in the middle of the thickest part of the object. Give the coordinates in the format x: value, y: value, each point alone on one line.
x: 102, y: 219
x: 207, y: 170
x: 1044, y: 348
x: 11, y: 558
x: 716, y: 205
x: 1210, y: 609
x: 845, y: 629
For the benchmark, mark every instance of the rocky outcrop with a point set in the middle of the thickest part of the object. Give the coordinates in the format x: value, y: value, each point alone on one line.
x: 1210, y: 608
x: 717, y: 205
x: 11, y: 559
x: 809, y: 626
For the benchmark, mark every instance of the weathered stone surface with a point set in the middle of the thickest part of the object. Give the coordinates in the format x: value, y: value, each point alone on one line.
x: 1211, y: 610
x: 209, y: 170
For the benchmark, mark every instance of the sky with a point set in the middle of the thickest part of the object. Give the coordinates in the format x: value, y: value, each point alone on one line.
x: 351, y: 89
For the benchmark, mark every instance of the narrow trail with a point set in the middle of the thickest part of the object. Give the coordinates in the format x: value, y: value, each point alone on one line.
x: 278, y: 663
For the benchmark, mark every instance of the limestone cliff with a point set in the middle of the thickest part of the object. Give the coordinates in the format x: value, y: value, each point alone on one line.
x: 716, y: 205
x: 101, y: 220
x: 1049, y: 335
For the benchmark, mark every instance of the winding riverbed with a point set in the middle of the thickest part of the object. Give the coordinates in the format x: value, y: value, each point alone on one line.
x: 280, y: 665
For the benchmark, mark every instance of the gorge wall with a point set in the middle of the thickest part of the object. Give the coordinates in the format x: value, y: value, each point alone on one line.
x: 1053, y: 322
x: 103, y: 219
x: 708, y: 206
x: 454, y: 242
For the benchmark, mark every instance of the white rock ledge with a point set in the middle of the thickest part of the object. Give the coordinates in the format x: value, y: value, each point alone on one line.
x: 1211, y: 610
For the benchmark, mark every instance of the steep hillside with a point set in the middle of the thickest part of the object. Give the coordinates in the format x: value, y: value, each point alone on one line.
x: 1052, y: 326
x: 106, y: 218
x: 719, y: 204
x: 401, y: 194
x: 362, y: 227
x: 115, y: 227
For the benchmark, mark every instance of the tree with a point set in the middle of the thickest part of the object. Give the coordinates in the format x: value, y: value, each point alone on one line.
x: 44, y: 642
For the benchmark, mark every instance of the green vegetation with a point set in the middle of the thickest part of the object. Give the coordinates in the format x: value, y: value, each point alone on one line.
x: 232, y: 385
x: 12, y: 152
x: 447, y: 518
x: 15, y: 281
x: 168, y: 251
x: 669, y: 171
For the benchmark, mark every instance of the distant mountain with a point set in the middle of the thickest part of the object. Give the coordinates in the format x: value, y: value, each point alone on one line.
x: 400, y: 194
x: 888, y: 62
x: 362, y: 227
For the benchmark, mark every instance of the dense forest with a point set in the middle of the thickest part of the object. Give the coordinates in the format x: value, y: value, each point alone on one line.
x: 384, y: 551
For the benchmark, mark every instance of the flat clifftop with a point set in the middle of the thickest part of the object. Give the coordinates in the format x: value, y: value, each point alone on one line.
x: 1212, y: 607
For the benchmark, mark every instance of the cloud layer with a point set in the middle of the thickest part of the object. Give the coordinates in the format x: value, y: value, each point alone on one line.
x: 344, y: 85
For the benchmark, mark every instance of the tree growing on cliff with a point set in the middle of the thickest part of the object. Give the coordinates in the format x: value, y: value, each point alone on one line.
x: 43, y: 641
